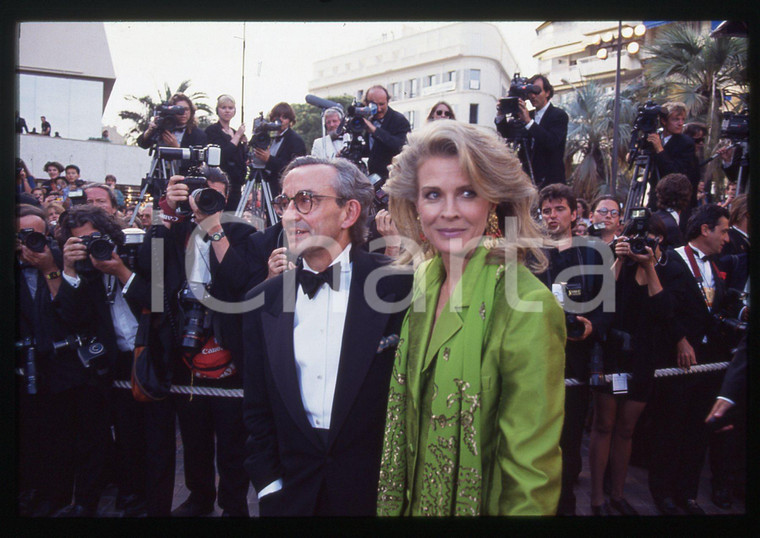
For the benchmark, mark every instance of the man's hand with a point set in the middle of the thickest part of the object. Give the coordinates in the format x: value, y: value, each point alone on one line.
x: 726, y: 154
x: 115, y: 266
x: 370, y: 126
x: 522, y: 111
x: 719, y: 409
x: 656, y: 141
x: 208, y: 223
x: 169, y: 139
x: 278, y: 262
x: 686, y: 356
x: 73, y: 251
x: 176, y: 192
x: 587, y: 329
x: 261, y: 154
x: 42, y: 261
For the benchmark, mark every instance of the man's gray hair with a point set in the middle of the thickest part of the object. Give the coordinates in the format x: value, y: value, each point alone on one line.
x: 350, y: 183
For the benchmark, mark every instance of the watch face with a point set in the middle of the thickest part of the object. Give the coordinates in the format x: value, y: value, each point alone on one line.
x: 217, y: 236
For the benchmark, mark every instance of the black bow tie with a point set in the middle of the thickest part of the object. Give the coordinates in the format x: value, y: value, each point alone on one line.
x: 278, y: 137
x: 311, y: 282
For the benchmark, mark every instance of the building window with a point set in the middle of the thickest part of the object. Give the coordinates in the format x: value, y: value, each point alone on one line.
x: 573, y: 62
x: 451, y: 76
x: 474, y: 79
x: 395, y: 93
x: 412, y: 88
x: 412, y: 117
x: 473, y: 112
x: 430, y: 80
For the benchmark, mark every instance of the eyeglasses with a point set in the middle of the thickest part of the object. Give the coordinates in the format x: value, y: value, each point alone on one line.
x: 443, y: 113
x: 304, y: 200
x: 603, y: 212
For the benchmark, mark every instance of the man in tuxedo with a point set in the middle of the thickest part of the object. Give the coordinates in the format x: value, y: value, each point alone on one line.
x: 387, y: 131
x: 673, y: 197
x: 673, y: 151
x: 319, y: 351
x: 698, y: 292
x: 546, y: 129
x: 285, y: 147
x: 329, y: 145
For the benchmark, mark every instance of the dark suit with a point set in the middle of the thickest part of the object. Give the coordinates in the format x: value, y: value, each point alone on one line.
x: 673, y: 235
x: 292, y: 146
x: 341, y: 477
x: 389, y: 138
x: 233, y: 161
x: 546, y: 144
x: 677, y: 157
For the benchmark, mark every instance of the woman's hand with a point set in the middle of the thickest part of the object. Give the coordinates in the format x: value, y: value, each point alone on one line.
x: 278, y: 262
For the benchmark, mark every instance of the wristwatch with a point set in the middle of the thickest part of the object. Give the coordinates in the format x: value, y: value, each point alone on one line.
x: 53, y: 275
x: 217, y: 235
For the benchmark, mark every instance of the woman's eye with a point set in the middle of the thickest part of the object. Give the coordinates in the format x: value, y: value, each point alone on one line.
x: 431, y: 195
x: 469, y: 193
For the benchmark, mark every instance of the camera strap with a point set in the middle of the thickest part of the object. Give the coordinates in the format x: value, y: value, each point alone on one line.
x: 698, y: 274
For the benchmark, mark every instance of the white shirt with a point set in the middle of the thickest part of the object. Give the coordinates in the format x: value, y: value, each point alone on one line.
x: 708, y: 282
x: 331, y: 146
x: 317, y: 341
x: 124, y: 322
x: 201, y: 269
x: 275, y: 145
x: 537, y: 116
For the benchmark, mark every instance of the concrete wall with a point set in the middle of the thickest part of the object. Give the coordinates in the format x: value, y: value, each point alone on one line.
x: 95, y: 159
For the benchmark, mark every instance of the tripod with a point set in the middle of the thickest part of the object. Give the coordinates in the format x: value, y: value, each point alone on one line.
x: 742, y: 175
x: 640, y: 180
x: 156, y: 179
x: 266, y: 189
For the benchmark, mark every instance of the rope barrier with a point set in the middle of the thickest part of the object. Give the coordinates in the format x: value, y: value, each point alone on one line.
x: 569, y: 382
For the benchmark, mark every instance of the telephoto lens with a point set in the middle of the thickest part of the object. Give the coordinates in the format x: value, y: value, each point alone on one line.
x: 34, y: 241
x: 209, y: 201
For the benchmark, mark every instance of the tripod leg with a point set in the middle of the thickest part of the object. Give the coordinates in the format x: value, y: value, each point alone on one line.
x: 267, y: 192
x: 244, y: 197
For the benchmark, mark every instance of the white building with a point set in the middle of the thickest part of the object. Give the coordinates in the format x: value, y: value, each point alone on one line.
x: 467, y: 64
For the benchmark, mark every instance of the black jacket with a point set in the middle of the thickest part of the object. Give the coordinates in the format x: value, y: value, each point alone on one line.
x: 677, y: 157
x: 674, y: 235
x: 388, y: 141
x: 233, y: 159
x: 292, y: 146
x: 282, y: 443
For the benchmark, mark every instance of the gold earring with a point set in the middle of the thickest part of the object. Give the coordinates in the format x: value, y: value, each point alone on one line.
x: 493, y: 225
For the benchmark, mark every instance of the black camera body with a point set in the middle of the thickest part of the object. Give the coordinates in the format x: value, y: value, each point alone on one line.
x: 207, y: 199
x: 647, y: 122
x: 133, y: 239
x: 354, y: 120
x: 166, y: 117
x: 194, y: 328
x: 99, y: 246
x: 519, y: 88
x: 261, y: 138
x: 34, y: 241
x: 196, y: 155
x: 636, y: 231
x: 735, y: 126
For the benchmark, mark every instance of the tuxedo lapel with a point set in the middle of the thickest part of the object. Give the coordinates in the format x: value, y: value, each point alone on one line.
x: 363, y: 329
x: 278, y: 331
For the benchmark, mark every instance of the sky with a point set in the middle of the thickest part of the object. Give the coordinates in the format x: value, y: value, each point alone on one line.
x: 278, y: 57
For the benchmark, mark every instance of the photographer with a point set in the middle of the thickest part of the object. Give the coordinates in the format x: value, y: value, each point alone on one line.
x: 233, y: 145
x: 208, y: 349
x: 606, y: 212
x: 174, y: 130
x: 94, y: 301
x: 546, y: 128
x: 387, y: 132
x: 641, y: 306
x: 285, y: 147
x: 557, y: 204
x: 673, y: 151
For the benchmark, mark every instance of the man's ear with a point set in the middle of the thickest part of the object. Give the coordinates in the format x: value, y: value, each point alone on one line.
x: 353, y: 211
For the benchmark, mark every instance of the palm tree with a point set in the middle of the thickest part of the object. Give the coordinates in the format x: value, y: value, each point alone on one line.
x: 147, y: 104
x: 589, y: 137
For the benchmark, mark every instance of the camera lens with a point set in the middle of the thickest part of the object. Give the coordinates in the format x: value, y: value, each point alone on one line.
x: 209, y: 201
x: 35, y: 242
x: 101, y: 249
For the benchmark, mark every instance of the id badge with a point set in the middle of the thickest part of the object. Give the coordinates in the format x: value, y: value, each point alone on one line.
x: 619, y: 384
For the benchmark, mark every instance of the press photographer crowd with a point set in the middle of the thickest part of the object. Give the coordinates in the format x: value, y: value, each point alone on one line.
x: 401, y: 322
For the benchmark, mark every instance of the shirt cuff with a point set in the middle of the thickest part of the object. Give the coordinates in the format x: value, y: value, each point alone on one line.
x: 126, y: 286
x: 529, y: 124
x: 271, y: 488
x: 71, y: 280
x: 727, y: 399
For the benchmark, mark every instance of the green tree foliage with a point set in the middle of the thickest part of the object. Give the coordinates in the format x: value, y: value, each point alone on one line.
x: 589, y: 137
x: 147, y: 104
x: 309, y: 119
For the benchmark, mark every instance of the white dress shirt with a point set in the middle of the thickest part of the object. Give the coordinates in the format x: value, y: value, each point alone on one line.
x: 537, y: 116
x: 326, y: 147
x: 708, y: 282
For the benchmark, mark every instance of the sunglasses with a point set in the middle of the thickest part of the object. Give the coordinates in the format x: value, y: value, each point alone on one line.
x: 303, y: 200
x: 603, y: 212
x: 443, y: 113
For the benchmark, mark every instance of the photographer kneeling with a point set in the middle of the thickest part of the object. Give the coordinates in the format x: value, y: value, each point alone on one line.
x: 208, y: 348
x: 91, y: 303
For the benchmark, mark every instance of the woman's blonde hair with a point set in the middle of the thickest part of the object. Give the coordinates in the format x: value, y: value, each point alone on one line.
x: 496, y: 175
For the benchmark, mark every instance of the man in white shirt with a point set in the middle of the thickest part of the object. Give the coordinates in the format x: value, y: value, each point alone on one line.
x: 319, y: 352
x: 329, y: 145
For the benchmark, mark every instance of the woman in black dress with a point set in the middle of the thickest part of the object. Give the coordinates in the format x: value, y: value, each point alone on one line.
x: 233, y: 145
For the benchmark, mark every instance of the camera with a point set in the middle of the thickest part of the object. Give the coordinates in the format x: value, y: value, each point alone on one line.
x: 165, y: 118
x: 133, y: 238
x: 77, y: 196
x: 647, y: 122
x: 99, y: 246
x: 261, y: 137
x: 354, y: 122
x: 734, y: 126
x: 729, y: 330
x: 636, y: 231
x: 207, y: 199
x: 195, y: 314
x: 211, y: 154
x: 91, y: 353
x: 519, y: 88
x: 34, y: 241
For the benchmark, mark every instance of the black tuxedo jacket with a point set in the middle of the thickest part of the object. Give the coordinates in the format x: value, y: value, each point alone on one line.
x: 674, y: 237
x: 548, y: 141
x: 282, y: 443
x: 389, y: 139
x: 677, y: 157
x: 292, y: 146
x: 734, y: 385
x: 233, y: 157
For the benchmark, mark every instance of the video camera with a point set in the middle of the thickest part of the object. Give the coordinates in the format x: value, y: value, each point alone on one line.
x: 519, y: 88
x: 165, y: 118
x: 636, y: 231
x: 211, y: 154
x: 647, y: 122
x: 735, y: 126
x: 261, y: 137
x: 354, y: 122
